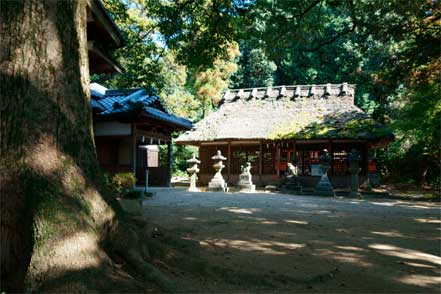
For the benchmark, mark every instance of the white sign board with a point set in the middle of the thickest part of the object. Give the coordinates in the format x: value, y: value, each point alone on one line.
x: 152, y: 156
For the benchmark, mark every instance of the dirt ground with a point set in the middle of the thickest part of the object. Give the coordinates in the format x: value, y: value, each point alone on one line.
x: 282, y: 243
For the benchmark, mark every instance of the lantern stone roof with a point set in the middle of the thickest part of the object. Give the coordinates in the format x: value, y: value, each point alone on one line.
x: 132, y: 104
x: 287, y: 112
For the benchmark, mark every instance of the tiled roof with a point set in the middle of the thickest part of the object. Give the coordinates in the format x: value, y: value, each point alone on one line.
x: 287, y: 112
x: 113, y: 102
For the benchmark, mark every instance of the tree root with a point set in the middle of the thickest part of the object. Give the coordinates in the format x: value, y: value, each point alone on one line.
x: 129, y: 244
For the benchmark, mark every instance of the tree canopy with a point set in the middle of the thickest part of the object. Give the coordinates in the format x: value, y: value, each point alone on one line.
x: 389, y: 49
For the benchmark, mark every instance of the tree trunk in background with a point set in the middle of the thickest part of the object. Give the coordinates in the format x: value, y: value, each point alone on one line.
x: 45, y: 116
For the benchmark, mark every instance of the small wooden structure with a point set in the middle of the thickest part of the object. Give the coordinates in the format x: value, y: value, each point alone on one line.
x: 271, y: 127
x: 103, y: 36
x: 125, y: 120
x: 128, y: 125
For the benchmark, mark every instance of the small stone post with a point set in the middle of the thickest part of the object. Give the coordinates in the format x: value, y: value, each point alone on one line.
x: 324, y: 187
x: 218, y: 183
x: 292, y: 182
x: 245, y: 179
x: 354, y: 169
x: 193, y: 170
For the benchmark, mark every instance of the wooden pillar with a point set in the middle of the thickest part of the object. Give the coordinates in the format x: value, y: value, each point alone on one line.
x: 169, y: 161
x: 229, y: 162
x: 331, y: 153
x: 134, y: 149
x: 294, y: 152
x: 303, y: 161
x: 260, y: 161
x: 366, y: 158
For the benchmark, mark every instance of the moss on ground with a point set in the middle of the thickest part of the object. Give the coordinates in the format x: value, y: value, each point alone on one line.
x: 310, y: 127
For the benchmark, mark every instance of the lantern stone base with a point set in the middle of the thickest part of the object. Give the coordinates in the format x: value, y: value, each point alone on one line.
x: 193, y: 189
x: 355, y: 194
x: 247, y: 188
x: 324, y: 187
x: 245, y: 183
x: 292, y: 185
x: 217, y: 185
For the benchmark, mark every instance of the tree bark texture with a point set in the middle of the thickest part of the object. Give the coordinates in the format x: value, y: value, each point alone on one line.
x: 45, y: 116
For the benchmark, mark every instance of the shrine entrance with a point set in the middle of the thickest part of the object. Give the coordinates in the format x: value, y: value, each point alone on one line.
x: 152, y: 156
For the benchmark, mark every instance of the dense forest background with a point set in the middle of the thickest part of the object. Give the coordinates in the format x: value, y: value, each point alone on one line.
x: 191, y: 51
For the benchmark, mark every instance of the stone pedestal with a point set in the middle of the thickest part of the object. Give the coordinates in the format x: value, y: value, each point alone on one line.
x: 193, y: 170
x: 245, y: 183
x: 292, y: 182
x: 218, y: 183
x: 324, y: 186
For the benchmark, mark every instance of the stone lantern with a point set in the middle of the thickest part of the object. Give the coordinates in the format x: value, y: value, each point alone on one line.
x: 193, y: 170
x: 218, y: 183
x: 324, y: 187
x: 354, y: 159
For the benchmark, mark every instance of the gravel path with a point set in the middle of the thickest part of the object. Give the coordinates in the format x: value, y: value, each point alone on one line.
x: 284, y: 243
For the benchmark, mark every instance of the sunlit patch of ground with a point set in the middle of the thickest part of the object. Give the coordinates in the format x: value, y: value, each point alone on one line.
x: 281, y: 243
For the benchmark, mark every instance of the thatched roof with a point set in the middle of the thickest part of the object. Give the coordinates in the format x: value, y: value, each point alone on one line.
x: 287, y: 112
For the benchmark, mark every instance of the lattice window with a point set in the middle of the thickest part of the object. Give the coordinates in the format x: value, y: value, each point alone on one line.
x: 269, y: 160
x: 340, y: 163
x: 243, y: 154
x: 205, y: 154
x: 308, y: 157
x: 341, y: 152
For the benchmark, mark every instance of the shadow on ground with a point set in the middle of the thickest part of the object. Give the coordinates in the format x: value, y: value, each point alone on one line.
x: 265, y: 242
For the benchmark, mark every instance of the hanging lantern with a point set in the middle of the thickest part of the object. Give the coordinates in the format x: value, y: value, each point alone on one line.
x: 151, y: 141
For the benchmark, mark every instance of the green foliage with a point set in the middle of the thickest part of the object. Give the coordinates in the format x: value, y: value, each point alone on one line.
x: 255, y: 70
x: 306, y: 126
x: 211, y: 82
x: 389, y: 49
x: 168, y: 39
x: 179, y: 173
x: 181, y: 153
x: 122, y: 182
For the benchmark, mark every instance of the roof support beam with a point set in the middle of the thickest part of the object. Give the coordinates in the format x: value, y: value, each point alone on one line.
x: 169, y: 162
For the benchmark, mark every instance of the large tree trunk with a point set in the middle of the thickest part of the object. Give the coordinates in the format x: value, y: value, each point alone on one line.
x: 45, y: 119
x: 56, y: 228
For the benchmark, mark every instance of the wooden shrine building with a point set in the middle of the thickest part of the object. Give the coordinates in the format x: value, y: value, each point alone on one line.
x: 130, y: 126
x: 103, y: 36
x: 270, y: 127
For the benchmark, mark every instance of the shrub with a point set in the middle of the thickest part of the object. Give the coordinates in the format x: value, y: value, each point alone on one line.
x: 122, y: 182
